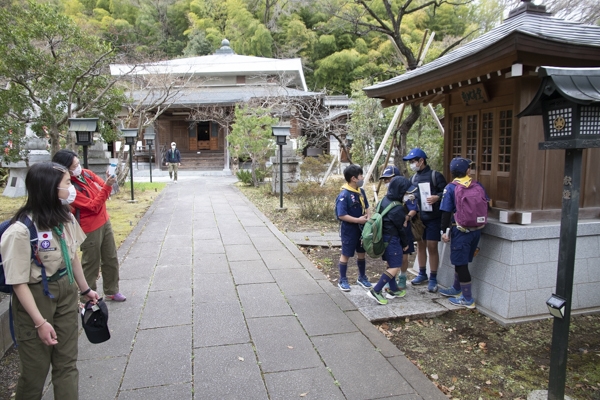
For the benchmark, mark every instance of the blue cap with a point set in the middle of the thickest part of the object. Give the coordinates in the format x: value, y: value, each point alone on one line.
x: 389, y: 172
x: 460, y: 165
x: 415, y: 153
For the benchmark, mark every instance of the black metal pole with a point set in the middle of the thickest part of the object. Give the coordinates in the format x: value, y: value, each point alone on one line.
x: 85, y: 163
x: 131, y: 169
x: 280, y: 177
x: 150, y: 158
x: 564, y: 277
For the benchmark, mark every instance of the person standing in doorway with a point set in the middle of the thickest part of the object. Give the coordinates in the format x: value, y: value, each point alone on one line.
x: 173, y: 161
x: 432, y: 217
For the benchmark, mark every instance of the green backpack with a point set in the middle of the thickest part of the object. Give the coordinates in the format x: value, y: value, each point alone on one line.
x: 372, y: 237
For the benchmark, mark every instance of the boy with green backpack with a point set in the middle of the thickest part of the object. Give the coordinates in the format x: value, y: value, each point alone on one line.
x: 394, y: 234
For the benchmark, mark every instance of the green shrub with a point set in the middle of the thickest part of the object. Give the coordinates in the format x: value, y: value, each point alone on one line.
x: 313, y: 169
x: 316, y: 202
x: 244, y: 176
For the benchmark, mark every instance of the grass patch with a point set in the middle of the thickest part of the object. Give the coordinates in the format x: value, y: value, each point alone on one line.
x: 123, y: 215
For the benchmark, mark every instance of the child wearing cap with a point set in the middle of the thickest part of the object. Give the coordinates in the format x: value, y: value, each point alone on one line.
x: 428, y: 244
x: 464, y: 241
x: 352, y: 209
x: 173, y: 160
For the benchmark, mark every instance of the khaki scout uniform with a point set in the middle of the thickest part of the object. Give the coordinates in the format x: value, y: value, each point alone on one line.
x: 61, y: 312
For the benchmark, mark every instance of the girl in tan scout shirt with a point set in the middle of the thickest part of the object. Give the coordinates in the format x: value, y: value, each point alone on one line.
x: 46, y: 328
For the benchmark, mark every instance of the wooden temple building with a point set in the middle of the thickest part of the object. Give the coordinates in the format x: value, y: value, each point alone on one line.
x: 482, y: 86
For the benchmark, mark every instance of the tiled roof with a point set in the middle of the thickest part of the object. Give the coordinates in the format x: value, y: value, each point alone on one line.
x: 532, y: 24
x: 226, y: 95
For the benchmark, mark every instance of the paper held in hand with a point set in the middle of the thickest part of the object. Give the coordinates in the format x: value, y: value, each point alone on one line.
x: 425, y: 192
x: 111, y: 169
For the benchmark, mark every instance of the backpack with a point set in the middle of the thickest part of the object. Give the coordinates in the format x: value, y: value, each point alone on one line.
x: 413, y: 179
x: 4, y: 287
x: 471, y: 205
x: 372, y: 237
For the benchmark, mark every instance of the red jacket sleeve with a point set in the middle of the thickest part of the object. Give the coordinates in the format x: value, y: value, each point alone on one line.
x: 92, y: 198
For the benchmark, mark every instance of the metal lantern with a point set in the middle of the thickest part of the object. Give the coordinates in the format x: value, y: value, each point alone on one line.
x: 280, y: 133
x: 569, y: 101
x: 84, y: 129
x: 149, y: 136
x: 130, y: 135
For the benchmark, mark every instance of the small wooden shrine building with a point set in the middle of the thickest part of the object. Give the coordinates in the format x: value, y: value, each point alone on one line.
x: 483, y: 86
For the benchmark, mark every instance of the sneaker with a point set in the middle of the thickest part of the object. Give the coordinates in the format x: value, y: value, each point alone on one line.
x: 343, y: 285
x: 115, y: 297
x: 402, y: 282
x: 462, y: 302
x: 450, y: 292
x: 432, y: 286
x: 378, y: 297
x: 364, y: 282
x: 419, y: 280
x: 392, y: 295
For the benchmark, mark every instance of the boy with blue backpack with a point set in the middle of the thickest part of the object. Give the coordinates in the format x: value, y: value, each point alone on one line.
x: 352, y: 209
x: 464, y: 207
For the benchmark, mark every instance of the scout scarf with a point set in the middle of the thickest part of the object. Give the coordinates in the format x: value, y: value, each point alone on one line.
x: 360, y: 197
x: 465, y: 181
x: 59, y: 231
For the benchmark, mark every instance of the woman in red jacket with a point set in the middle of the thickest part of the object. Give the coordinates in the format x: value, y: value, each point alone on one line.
x: 99, y: 252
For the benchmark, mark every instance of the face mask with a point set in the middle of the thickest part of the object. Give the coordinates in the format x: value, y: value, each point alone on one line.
x: 72, y: 195
x: 173, y: 147
x: 387, y: 185
x: 76, y: 171
x: 414, y: 167
x: 360, y: 183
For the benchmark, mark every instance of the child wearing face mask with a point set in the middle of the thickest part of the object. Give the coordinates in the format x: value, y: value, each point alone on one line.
x: 410, y: 209
x: 352, y: 209
x: 45, y: 309
x: 173, y: 158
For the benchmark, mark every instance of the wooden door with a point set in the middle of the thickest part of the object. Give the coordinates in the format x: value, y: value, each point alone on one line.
x: 180, y: 135
x: 204, y: 135
x: 214, y: 136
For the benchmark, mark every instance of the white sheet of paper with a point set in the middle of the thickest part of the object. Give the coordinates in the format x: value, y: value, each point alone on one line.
x: 425, y: 192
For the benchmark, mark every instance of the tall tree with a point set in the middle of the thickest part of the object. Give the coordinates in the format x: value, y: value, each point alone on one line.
x: 51, y: 72
x: 251, y: 135
x: 387, y: 17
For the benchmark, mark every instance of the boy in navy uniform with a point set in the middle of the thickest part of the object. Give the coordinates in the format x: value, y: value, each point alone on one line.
x: 394, y: 234
x: 464, y: 241
x: 352, y: 209
x: 411, y: 209
x: 428, y: 244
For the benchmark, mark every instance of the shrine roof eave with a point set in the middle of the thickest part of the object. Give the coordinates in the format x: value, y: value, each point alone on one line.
x: 533, y: 37
x: 484, y: 65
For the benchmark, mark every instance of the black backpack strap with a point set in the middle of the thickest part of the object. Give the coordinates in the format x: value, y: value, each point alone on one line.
x: 33, y: 241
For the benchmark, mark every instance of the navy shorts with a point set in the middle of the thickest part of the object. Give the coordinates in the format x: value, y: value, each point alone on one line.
x: 393, y: 252
x: 351, y: 240
x: 463, y: 246
x: 432, y: 229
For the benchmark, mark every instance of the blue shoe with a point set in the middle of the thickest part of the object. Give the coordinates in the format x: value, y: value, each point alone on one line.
x: 433, y: 286
x: 364, y: 282
x: 462, y: 302
x: 402, y: 282
x: 450, y: 292
x: 419, y: 280
x: 343, y: 285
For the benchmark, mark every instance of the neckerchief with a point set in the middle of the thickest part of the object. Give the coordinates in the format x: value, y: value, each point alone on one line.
x: 465, y: 181
x: 59, y: 231
x: 351, y: 189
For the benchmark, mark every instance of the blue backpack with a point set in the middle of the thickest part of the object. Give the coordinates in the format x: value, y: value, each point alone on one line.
x: 33, y: 240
